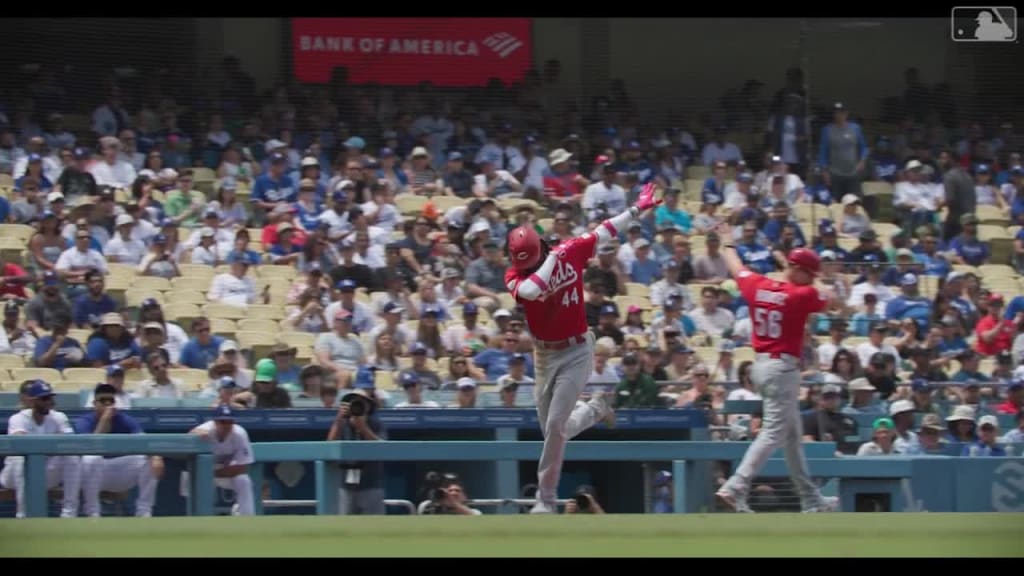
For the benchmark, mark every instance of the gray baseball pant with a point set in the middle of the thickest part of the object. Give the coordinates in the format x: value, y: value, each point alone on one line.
x: 778, y: 382
x: 561, y: 376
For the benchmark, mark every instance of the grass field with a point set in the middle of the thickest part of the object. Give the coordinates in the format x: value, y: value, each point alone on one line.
x: 728, y: 535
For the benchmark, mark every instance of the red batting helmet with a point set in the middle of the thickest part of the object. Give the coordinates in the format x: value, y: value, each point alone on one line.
x: 806, y: 259
x: 524, y: 247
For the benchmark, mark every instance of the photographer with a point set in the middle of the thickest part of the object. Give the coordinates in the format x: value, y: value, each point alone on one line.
x: 362, y: 490
x: 583, y: 502
x: 445, y: 496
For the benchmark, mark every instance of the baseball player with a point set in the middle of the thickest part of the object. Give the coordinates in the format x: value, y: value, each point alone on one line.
x: 232, y: 455
x: 41, y: 418
x: 779, y: 310
x: 120, y: 473
x: 548, y: 282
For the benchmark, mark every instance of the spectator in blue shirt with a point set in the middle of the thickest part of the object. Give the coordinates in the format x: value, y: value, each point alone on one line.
x: 5, y: 209
x: 645, y: 270
x: 829, y: 240
x: 56, y: 350
x: 713, y: 191
x: 988, y: 431
x: 910, y: 304
x: 91, y: 306
x: 968, y: 247
x: 112, y: 344
x: 843, y: 152
x: 927, y: 252
x: 203, y: 349
x: 969, y: 363
x: 780, y: 217
x: 494, y: 361
x: 669, y: 213
x: 308, y: 207
x: 284, y: 251
x: 274, y: 187
x: 953, y: 343
x: 754, y: 255
x: 634, y: 163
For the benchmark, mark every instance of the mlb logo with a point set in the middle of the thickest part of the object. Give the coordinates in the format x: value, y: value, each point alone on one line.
x: 984, y: 24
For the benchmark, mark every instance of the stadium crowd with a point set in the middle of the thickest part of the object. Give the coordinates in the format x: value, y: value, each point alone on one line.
x: 264, y: 253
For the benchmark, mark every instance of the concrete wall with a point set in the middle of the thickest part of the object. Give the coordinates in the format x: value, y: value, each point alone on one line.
x: 688, y: 63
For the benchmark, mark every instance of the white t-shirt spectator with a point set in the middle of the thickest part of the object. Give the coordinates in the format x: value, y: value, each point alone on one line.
x: 609, y: 376
x: 119, y: 175
x: 535, y: 169
x: 204, y: 255
x: 346, y: 352
x: 423, y: 404
x: 74, y: 259
x: 55, y: 422
x: 230, y: 289
x: 714, y: 323
x: 388, y: 216
x: 865, y: 350
x: 856, y: 299
x: 130, y: 252
x: 363, y: 318
x: 827, y: 353
x: 614, y: 198
x: 150, y: 389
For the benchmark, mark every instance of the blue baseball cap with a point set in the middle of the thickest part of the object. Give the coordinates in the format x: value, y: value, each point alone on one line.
x: 409, y: 379
x: 346, y: 284
x: 469, y: 308
x: 339, y: 196
x: 278, y: 158
x: 34, y: 158
x: 227, y: 382
x: 744, y: 177
x: 418, y: 348
x: 981, y: 168
x: 633, y: 145
x: 355, y: 142
x: 82, y: 153
x: 1017, y: 170
x: 115, y: 370
x: 365, y: 378
x: 432, y: 309
x: 609, y: 309
x: 518, y: 357
x: 50, y: 278
x: 455, y: 155
x: 160, y: 239
x: 40, y: 389
x: 908, y: 279
x: 223, y: 412
x: 920, y: 385
x: 168, y: 223
x: 670, y: 263
x: 386, y: 152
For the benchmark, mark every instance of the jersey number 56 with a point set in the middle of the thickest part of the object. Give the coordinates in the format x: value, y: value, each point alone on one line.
x: 767, y: 323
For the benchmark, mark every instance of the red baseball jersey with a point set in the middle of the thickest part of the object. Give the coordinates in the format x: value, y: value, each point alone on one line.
x: 559, y: 313
x: 779, y: 312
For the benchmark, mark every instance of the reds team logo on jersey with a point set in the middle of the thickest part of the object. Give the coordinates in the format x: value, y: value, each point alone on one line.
x: 563, y: 275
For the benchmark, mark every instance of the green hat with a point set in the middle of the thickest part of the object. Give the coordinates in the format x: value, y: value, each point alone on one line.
x: 969, y: 218
x: 880, y: 422
x: 266, y: 371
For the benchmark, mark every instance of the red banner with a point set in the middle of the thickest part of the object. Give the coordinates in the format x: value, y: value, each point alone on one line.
x: 407, y: 51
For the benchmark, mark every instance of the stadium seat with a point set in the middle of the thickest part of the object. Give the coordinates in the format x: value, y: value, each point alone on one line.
x: 297, y: 339
x: 223, y: 327
x: 194, y: 380
x: 133, y: 297
x: 259, y: 342
x: 94, y: 375
x: 151, y: 283
x: 225, y: 311
x: 258, y: 325
x: 48, y: 374
x: 265, y: 312
x: 191, y: 283
x: 11, y: 361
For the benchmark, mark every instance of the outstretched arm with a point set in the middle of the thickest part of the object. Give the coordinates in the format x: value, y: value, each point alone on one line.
x: 729, y: 254
x: 534, y: 286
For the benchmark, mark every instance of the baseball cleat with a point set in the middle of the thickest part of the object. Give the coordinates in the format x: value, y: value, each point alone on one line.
x: 542, y: 508
x: 730, y: 501
x: 825, y: 504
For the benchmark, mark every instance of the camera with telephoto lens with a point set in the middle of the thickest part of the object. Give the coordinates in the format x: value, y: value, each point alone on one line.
x: 358, y: 407
x: 582, y: 498
x: 436, y: 490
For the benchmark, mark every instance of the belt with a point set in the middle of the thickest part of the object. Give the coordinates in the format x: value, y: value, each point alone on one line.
x: 776, y: 356
x: 560, y: 344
